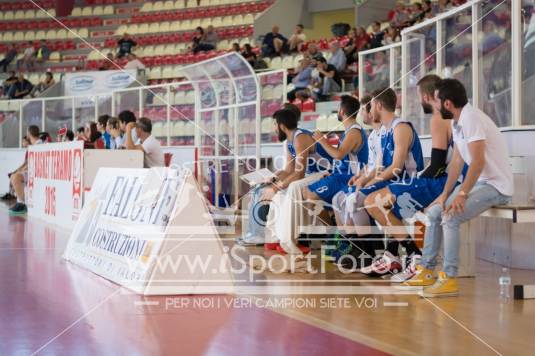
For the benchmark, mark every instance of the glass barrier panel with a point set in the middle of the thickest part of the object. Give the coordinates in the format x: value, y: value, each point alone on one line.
x: 127, y: 100
x: 417, y: 68
x: 457, y: 51
x: 246, y: 130
x: 9, y: 124
x: 528, y: 62
x: 272, y: 98
x: 32, y: 114
x: 182, y: 121
x: 84, y: 111
x: 495, y: 66
x: 58, y: 115
x: 376, y: 71
x: 155, y: 108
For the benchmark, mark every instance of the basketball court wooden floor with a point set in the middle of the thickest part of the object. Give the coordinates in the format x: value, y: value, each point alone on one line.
x: 48, y: 306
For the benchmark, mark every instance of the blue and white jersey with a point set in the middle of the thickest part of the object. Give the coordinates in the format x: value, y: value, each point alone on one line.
x: 356, y: 159
x: 318, y: 159
x: 374, y: 148
x: 415, y: 159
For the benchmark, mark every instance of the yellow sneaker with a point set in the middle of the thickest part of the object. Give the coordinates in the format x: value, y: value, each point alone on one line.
x: 423, y: 278
x: 444, y: 287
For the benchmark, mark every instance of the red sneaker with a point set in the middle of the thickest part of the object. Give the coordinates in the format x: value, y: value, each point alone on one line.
x: 304, y: 249
x: 272, y: 246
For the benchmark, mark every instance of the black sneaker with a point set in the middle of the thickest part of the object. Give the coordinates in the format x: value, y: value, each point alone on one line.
x: 8, y: 196
x: 18, y: 209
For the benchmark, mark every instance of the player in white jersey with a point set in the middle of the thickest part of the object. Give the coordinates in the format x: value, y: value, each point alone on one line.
x: 489, y: 181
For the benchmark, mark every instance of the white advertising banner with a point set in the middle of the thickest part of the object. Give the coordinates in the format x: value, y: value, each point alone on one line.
x: 54, y: 182
x: 127, y: 224
x: 97, y: 82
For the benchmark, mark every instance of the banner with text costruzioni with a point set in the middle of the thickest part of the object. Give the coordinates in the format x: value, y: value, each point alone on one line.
x: 127, y: 227
x: 54, y: 182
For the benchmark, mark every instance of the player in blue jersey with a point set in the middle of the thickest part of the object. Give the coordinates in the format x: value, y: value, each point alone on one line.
x: 402, y: 200
x: 306, y: 162
x: 401, y: 159
x: 349, y: 156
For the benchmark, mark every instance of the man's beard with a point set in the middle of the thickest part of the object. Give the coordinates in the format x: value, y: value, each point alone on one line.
x: 376, y: 118
x: 282, y: 136
x: 446, y: 114
x: 427, y: 108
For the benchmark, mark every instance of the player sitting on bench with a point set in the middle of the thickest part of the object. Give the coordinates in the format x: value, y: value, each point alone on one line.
x: 401, y: 159
x: 404, y: 199
x: 306, y: 162
x: 488, y: 182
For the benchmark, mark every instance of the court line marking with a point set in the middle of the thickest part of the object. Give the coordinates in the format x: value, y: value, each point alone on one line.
x: 463, y: 327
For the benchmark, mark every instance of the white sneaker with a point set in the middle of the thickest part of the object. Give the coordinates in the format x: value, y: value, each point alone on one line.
x: 386, y: 264
x: 409, y: 271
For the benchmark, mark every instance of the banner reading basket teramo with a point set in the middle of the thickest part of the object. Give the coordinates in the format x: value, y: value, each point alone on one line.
x: 55, y: 175
x: 138, y: 225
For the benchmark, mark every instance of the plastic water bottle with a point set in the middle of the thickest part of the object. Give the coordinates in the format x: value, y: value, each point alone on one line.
x: 505, y: 284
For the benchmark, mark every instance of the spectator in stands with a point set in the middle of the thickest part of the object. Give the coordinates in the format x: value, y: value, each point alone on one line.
x: 376, y: 37
x: 80, y: 133
x: 442, y: 6
x: 102, y: 123
x: 113, y: 127
x: 249, y: 55
x: 391, y: 36
x: 235, y: 47
x: 210, y: 39
x: 152, y: 151
x: 11, y: 80
x: 43, y: 53
x: 338, y: 58
x: 312, y: 50
x: 380, y: 71
x: 125, y: 117
x: 20, y: 88
x: 27, y: 59
x: 398, y: 16
x: 92, y: 137
x: 302, y: 77
x: 133, y: 62
x: 274, y: 44
x: 126, y: 43
x: 45, y: 137
x: 10, y: 55
x: 65, y: 135
x: 108, y: 63
x: 358, y: 40
x: 44, y: 84
x: 329, y: 82
x: 18, y: 178
x: 204, y: 41
x: 297, y: 40
x: 417, y: 14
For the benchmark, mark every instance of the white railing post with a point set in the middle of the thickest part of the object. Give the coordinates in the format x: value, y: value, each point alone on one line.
x: 168, y: 133
x: 43, y: 115
x: 20, y: 124
x: 439, y: 46
x: 475, y: 54
x: 392, y: 62
x: 361, y: 75
x: 516, y: 59
x: 73, y: 114
x: 404, y: 74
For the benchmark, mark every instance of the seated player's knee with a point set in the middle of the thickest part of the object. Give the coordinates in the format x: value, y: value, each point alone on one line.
x: 434, y: 214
